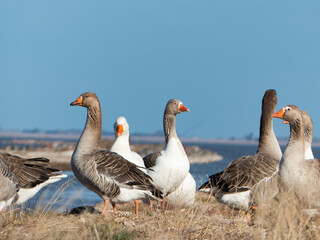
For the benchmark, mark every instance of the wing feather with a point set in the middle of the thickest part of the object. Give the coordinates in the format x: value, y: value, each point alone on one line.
x: 150, y: 160
x: 245, y: 172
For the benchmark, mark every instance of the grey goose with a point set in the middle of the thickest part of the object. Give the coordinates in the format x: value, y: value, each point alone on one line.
x: 234, y: 185
x: 33, y: 174
x: 308, y: 134
x: 106, y: 173
x: 295, y: 172
x: 9, y: 186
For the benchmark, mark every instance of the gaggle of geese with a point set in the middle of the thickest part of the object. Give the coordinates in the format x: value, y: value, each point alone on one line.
x: 121, y: 175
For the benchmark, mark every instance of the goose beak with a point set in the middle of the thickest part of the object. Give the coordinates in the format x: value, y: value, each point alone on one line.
x: 77, y: 102
x: 183, y: 108
x: 278, y: 114
x: 119, y: 130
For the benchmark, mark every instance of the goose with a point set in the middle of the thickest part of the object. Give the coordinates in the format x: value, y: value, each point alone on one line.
x: 121, y: 143
x: 9, y: 186
x: 295, y: 172
x: 33, y: 174
x: 308, y: 134
x: 184, y: 196
x: 169, y: 167
x: 106, y: 173
x: 234, y: 185
x: 122, y: 147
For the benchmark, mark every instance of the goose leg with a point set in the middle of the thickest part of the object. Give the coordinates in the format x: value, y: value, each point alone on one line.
x: 250, y: 214
x: 163, y: 202
x: 150, y: 204
x: 114, y: 208
x: 105, y: 208
x: 136, y: 206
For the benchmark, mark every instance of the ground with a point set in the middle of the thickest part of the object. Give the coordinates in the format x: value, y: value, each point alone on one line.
x: 207, y: 219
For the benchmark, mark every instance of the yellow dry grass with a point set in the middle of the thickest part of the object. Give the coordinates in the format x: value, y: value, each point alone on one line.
x: 207, y: 219
x: 282, y: 218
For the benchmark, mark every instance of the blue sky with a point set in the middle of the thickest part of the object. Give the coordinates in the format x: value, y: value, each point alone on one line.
x: 218, y: 57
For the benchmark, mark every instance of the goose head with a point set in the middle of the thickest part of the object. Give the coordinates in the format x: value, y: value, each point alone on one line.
x: 86, y: 100
x: 289, y: 113
x: 121, y: 127
x: 270, y: 100
x: 175, y: 107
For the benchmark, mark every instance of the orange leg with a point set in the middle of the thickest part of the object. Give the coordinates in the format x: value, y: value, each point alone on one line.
x: 163, y: 202
x: 150, y: 205
x: 136, y: 206
x: 251, y: 213
x: 254, y: 208
x: 248, y: 216
x: 114, y: 208
x: 105, y: 208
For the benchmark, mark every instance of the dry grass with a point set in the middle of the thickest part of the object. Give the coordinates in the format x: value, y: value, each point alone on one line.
x: 283, y: 218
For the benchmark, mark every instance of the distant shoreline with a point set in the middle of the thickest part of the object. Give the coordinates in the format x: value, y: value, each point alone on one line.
x: 136, y: 139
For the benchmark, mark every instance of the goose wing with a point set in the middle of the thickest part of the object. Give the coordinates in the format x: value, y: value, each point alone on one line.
x: 30, y: 172
x: 245, y: 172
x: 6, y: 172
x: 214, y: 179
x: 151, y: 159
x: 125, y: 173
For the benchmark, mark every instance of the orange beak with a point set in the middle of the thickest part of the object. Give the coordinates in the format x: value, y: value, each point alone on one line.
x: 278, y: 114
x: 183, y: 108
x: 285, y: 122
x: 119, y: 129
x: 77, y: 102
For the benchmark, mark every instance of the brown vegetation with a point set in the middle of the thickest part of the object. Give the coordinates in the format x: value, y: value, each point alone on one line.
x: 283, y: 218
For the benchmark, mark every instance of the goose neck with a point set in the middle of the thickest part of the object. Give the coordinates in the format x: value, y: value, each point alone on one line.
x: 295, y: 147
x: 268, y: 142
x: 121, y: 144
x: 91, y: 135
x: 169, y: 126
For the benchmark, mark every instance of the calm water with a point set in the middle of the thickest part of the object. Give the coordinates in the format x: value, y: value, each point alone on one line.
x: 69, y: 193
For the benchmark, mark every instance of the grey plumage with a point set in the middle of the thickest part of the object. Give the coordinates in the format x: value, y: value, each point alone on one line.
x: 247, y: 172
x: 102, y: 171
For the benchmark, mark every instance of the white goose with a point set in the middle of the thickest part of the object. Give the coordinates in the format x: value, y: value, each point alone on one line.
x: 121, y: 143
x: 122, y: 147
x: 169, y: 168
x: 106, y: 173
x: 184, y: 195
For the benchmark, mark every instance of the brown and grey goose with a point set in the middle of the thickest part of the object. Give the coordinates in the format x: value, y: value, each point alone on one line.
x: 234, y: 185
x: 33, y: 174
x: 295, y: 172
x: 106, y: 173
x: 308, y: 134
x: 9, y: 186
x: 169, y: 167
